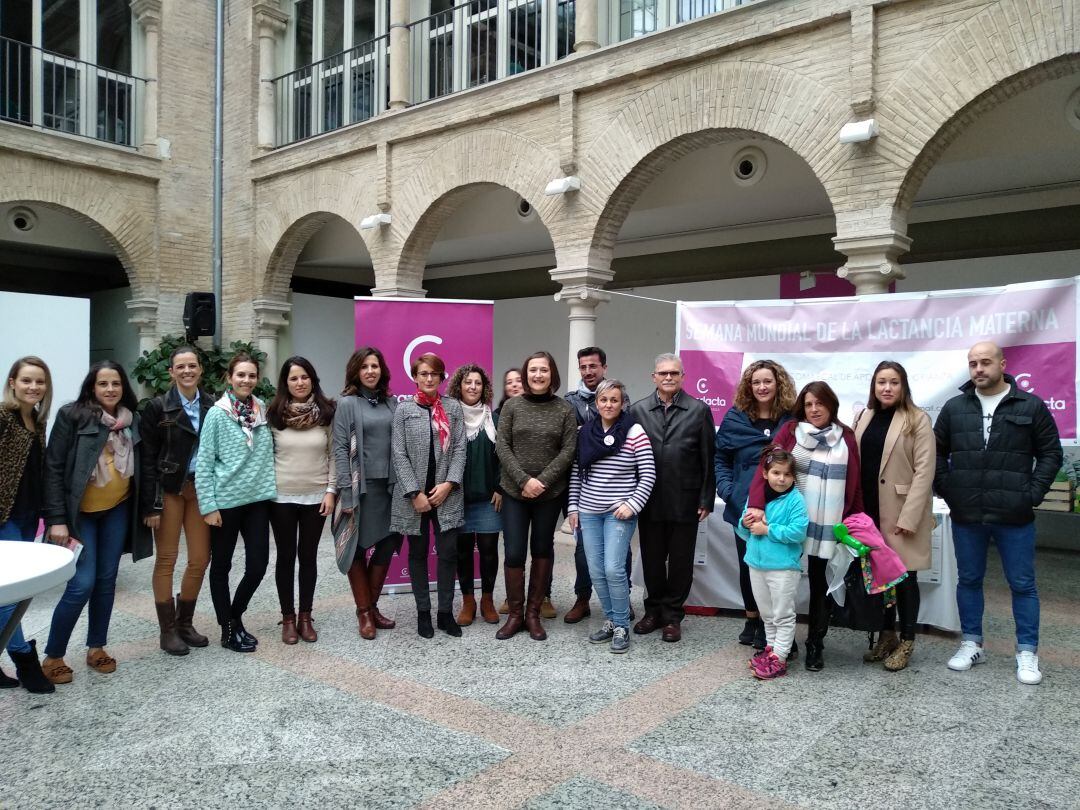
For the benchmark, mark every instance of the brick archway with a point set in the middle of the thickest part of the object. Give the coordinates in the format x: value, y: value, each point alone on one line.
x: 450, y: 175
x: 706, y: 105
x: 294, y: 212
x: 1028, y: 44
x: 95, y: 201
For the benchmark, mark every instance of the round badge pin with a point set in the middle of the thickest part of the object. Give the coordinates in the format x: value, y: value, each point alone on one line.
x: 609, y: 440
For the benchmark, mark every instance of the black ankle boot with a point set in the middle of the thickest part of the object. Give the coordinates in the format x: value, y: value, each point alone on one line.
x: 28, y: 668
x: 759, y: 633
x: 815, y: 655
x: 423, y: 624
x: 238, y: 626
x: 446, y: 623
x: 6, y: 681
x: 231, y: 639
x: 746, y: 637
x: 794, y: 653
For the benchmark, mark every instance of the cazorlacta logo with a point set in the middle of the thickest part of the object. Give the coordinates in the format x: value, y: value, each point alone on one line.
x: 1025, y: 382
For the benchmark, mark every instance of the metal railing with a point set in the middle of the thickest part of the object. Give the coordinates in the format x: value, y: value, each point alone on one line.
x: 640, y: 17
x: 342, y: 89
x: 51, y: 91
x: 479, y: 41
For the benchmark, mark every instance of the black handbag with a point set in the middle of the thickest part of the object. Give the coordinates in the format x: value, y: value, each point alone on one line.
x: 860, y: 611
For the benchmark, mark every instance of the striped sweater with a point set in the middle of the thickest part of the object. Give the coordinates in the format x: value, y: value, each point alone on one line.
x: 624, y: 477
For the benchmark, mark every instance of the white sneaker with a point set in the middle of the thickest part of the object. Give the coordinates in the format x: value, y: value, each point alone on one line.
x: 1027, y: 668
x: 969, y: 654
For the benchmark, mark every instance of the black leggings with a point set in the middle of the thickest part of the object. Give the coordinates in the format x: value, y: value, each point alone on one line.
x: 384, y: 551
x: 519, y: 516
x: 908, y: 600
x: 297, y: 529
x: 818, y: 609
x: 253, y: 522
x: 446, y: 555
x: 489, y: 561
x: 749, y: 603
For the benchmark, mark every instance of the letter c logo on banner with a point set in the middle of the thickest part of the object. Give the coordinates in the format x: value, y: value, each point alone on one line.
x: 702, y: 387
x: 406, y: 361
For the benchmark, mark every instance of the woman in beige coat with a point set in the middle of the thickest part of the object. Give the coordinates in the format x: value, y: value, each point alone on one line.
x: 897, y: 452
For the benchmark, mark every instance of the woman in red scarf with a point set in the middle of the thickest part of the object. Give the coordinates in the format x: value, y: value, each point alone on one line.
x: 428, y: 447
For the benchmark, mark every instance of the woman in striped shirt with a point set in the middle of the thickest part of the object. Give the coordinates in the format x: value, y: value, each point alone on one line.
x: 611, y: 479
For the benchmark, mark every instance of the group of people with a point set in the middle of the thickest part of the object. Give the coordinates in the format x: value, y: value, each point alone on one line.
x: 113, y: 480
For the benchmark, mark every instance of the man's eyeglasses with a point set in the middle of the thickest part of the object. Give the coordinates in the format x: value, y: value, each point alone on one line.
x: 667, y: 373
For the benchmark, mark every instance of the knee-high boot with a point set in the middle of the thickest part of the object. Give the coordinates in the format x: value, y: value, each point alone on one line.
x: 376, y: 578
x: 538, y: 582
x: 361, y: 591
x: 515, y: 600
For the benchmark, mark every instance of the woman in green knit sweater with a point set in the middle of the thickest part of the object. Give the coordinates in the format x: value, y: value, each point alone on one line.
x: 234, y: 478
x: 536, y: 440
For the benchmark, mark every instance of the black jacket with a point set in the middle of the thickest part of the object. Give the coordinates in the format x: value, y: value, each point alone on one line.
x: 683, y: 442
x: 169, y: 443
x: 999, y: 481
x: 72, y: 455
x: 584, y: 410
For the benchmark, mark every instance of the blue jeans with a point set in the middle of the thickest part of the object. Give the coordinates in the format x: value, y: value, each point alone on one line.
x: 17, y: 527
x: 102, y: 535
x: 606, y: 540
x: 1016, y: 545
x: 583, y: 580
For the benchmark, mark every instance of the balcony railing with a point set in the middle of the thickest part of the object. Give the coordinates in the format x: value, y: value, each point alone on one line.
x: 51, y: 91
x: 342, y: 89
x: 640, y: 17
x: 482, y: 40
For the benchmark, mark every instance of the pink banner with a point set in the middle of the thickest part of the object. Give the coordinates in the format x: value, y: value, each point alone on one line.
x: 841, y: 341
x: 402, y: 329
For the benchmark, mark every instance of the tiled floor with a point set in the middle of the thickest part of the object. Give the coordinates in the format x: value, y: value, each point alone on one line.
x: 475, y: 722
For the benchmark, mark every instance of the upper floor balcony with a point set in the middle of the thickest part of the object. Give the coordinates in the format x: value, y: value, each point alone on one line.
x: 340, y: 54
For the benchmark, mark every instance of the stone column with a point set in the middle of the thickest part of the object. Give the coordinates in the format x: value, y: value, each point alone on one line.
x: 271, y: 315
x: 270, y: 24
x: 873, y: 241
x: 144, y: 315
x: 148, y: 14
x: 586, y: 25
x: 399, y: 54
x: 398, y: 292
x: 580, y: 290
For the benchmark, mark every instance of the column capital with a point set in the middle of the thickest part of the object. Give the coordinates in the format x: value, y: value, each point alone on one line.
x: 583, y: 276
x: 271, y: 315
x: 269, y: 18
x: 148, y: 13
x: 872, y: 259
x: 143, y: 314
x: 398, y: 292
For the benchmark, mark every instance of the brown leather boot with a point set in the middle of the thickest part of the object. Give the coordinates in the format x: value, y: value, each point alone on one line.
x: 487, y: 609
x: 169, y: 641
x: 361, y: 591
x: 288, y: 628
x: 468, y: 610
x: 538, y: 574
x: 304, y: 626
x: 579, y: 611
x: 376, y: 578
x: 185, y: 612
x: 515, y: 600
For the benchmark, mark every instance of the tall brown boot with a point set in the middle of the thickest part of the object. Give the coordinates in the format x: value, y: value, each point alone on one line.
x: 376, y: 578
x: 515, y: 600
x: 185, y: 613
x: 538, y: 579
x: 169, y: 641
x: 361, y: 591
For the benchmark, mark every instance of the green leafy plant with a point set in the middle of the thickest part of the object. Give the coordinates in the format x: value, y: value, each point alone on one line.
x: 152, y: 368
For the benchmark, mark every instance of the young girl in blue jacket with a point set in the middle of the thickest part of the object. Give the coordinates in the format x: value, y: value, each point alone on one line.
x: 774, y: 546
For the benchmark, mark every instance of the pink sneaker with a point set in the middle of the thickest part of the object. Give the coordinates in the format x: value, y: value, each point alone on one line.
x: 769, y: 667
x: 759, y: 655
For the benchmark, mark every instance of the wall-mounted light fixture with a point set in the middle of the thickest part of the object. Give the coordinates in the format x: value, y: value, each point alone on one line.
x: 374, y: 221
x: 563, y: 185
x: 859, y: 131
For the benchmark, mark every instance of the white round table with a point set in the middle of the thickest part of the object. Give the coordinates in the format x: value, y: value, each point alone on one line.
x: 27, y: 569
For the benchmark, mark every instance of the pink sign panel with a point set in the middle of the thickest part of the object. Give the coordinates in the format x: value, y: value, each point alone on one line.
x: 842, y: 340
x: 459, y: 332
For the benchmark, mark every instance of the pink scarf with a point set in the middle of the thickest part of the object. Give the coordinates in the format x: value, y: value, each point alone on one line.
x: 438, y: 416
x: 119, y: 442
